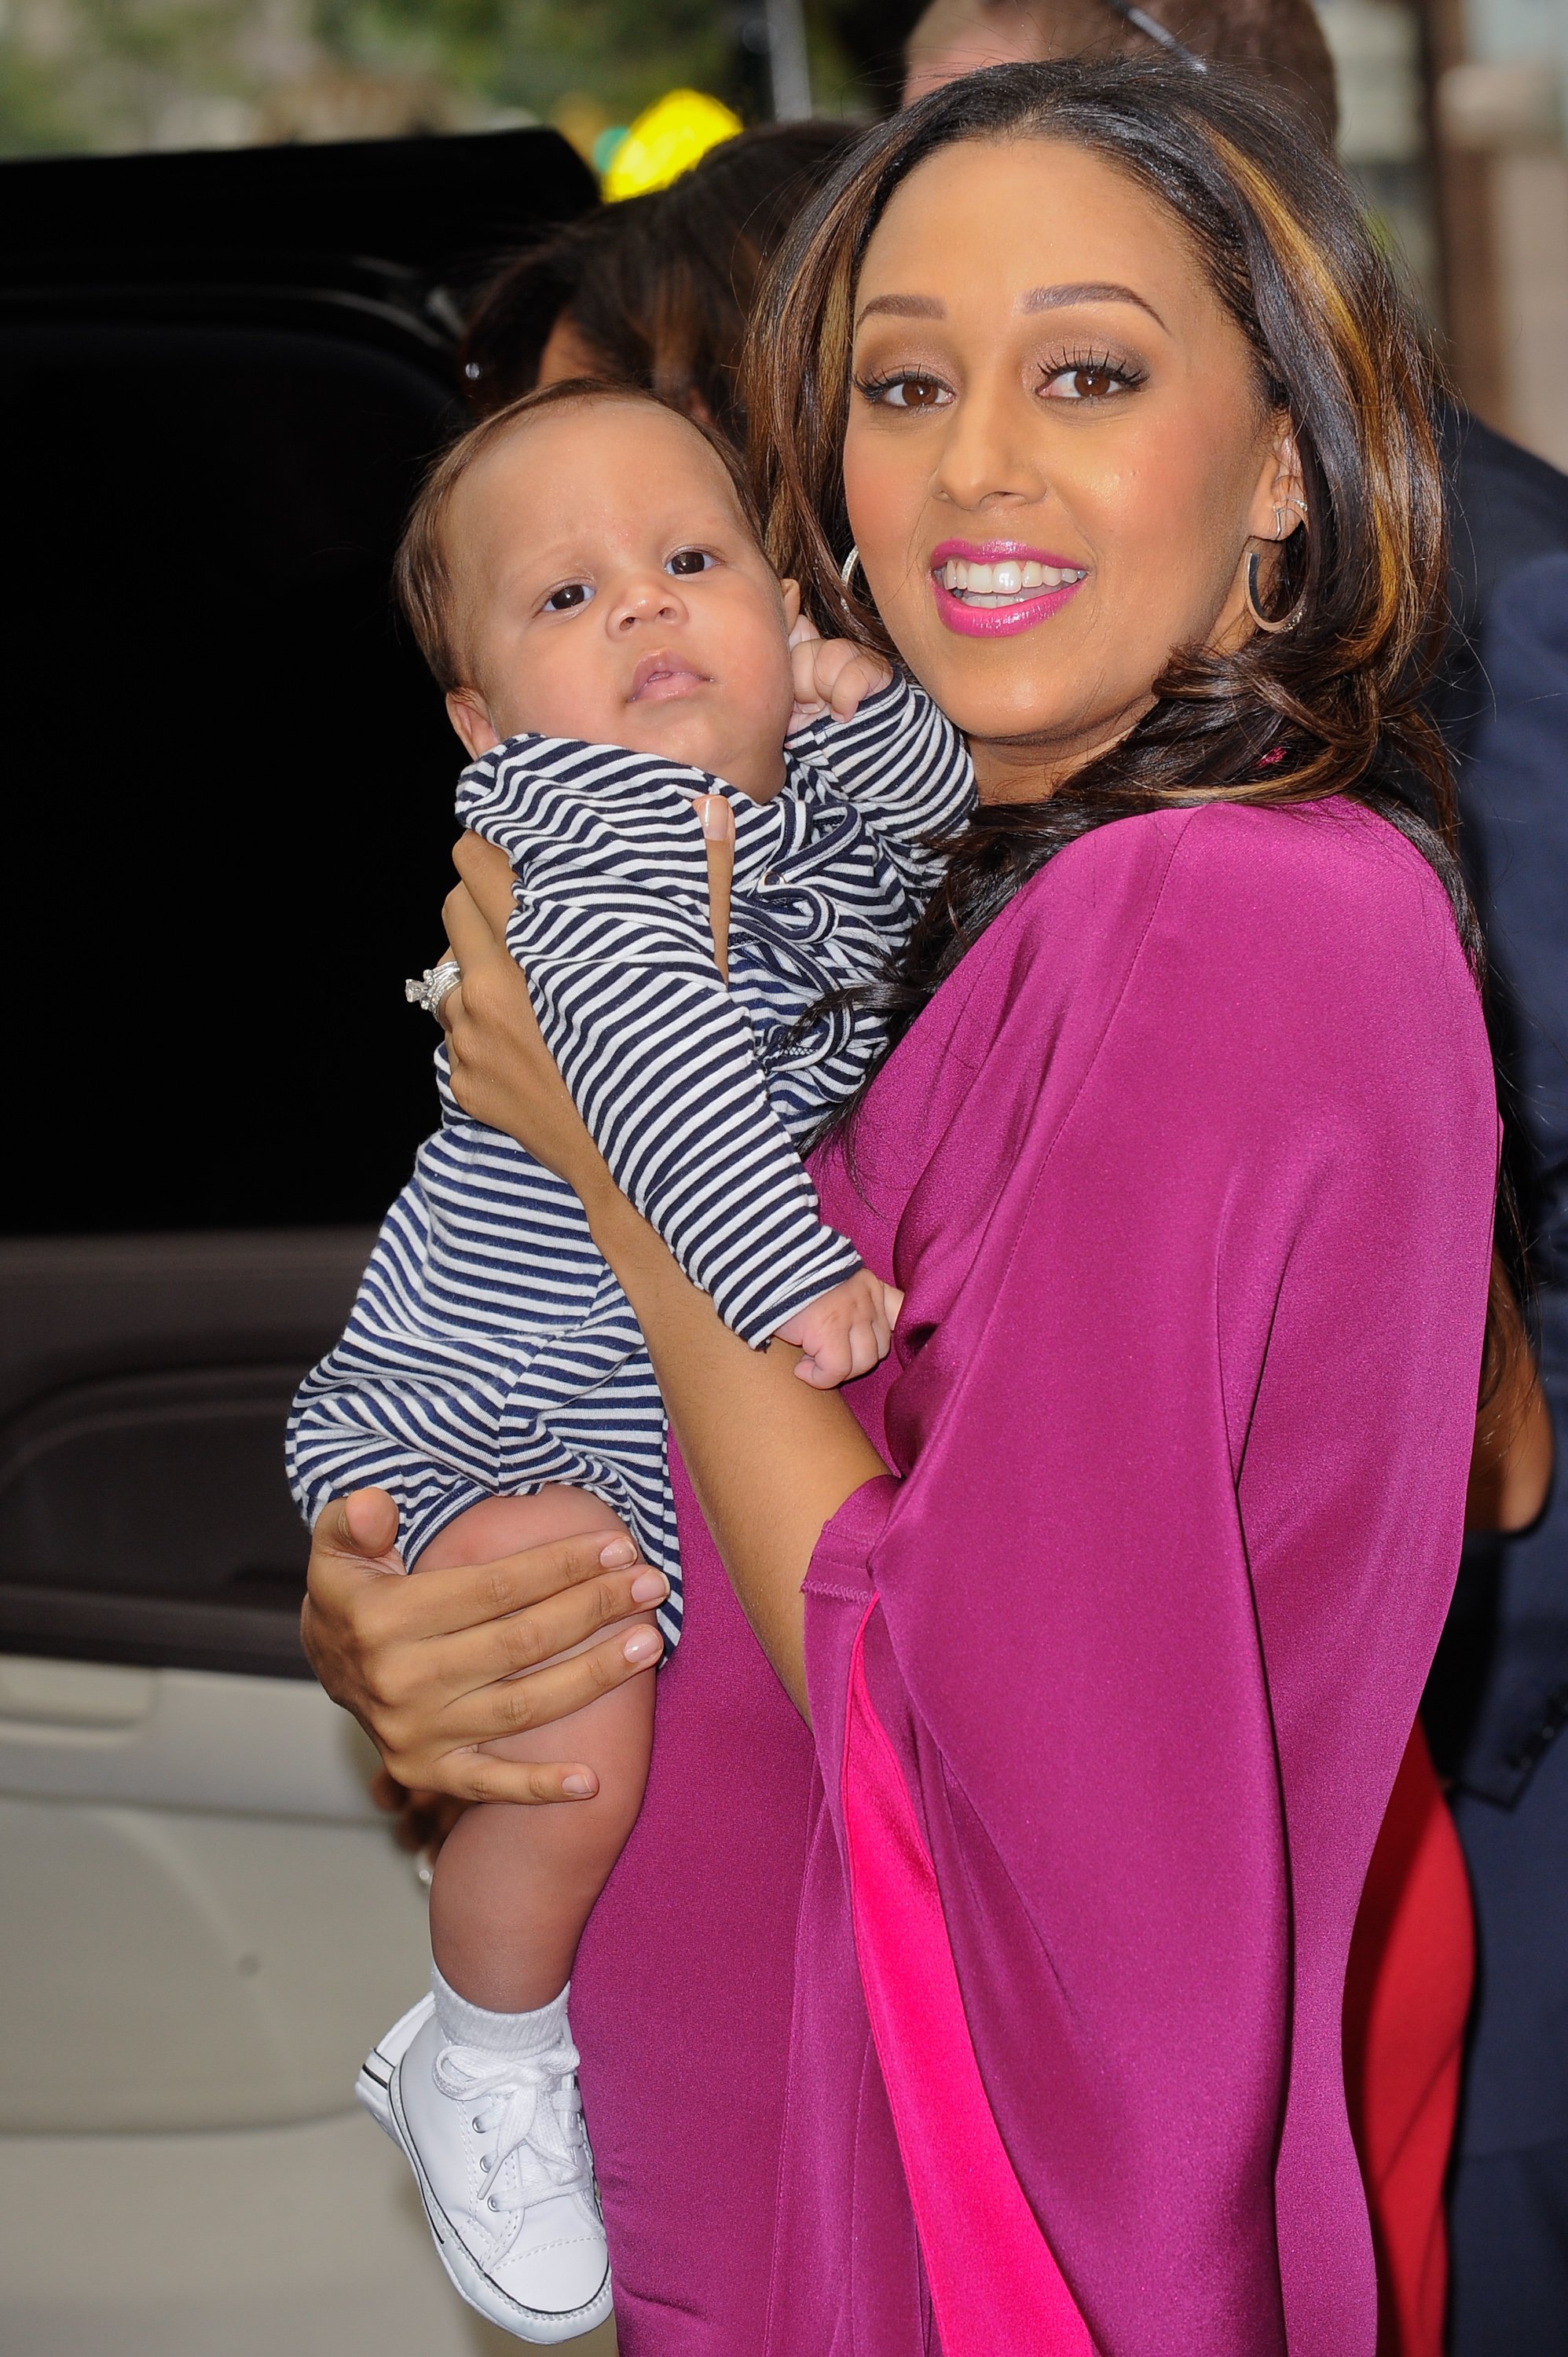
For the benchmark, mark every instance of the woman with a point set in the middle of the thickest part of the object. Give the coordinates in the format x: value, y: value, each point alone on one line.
x: 990, y: 1906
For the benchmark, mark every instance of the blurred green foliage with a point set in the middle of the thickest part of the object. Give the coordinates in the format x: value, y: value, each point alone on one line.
x: 116, y: 74
x: 530, y: 53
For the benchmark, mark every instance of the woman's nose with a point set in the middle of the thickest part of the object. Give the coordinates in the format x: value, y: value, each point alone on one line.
x: 987, y: 454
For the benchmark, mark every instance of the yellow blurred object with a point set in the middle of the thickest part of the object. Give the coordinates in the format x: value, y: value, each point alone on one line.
x: 666, y: 140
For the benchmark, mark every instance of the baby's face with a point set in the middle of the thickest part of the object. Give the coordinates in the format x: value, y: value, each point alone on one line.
x: 607, y: 586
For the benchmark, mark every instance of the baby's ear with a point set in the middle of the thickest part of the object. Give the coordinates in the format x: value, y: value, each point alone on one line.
x: 470, y: 717
x: 797, y: 623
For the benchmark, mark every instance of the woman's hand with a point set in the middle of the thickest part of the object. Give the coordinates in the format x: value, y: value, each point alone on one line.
x: 502, y: 1073
x: 430, y: 1665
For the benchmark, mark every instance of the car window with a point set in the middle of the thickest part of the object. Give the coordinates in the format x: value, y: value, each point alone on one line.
x: 231, y: 779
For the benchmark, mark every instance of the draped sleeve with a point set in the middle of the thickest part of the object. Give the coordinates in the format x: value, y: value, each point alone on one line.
x: 1112, y: 1675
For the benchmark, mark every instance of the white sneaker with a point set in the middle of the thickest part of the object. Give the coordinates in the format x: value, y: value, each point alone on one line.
x: 501, y: 2155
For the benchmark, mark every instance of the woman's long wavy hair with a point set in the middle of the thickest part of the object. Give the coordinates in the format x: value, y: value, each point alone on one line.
x: 1333, y: 706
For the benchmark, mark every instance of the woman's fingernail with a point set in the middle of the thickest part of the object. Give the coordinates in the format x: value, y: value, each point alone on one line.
x: 619, y: 1551
x: 649, y: 1587
x: 581, y: 1788
x: 642, y: 1645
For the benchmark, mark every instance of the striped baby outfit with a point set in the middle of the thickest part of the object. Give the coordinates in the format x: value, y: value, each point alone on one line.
x: 489, y: 1350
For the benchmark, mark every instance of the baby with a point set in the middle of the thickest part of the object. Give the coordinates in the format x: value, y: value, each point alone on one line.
x: 583, y: 573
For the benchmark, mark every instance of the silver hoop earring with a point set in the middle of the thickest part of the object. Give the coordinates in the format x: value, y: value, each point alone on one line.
x: 1250, y: 592
x: 1279, y: 523
x: 851, y: 561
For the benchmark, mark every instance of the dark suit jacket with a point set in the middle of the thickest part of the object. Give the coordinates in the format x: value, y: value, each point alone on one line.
x: 1500, y: 1690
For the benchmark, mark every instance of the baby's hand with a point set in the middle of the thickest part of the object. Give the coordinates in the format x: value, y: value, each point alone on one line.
x: 845, y: 1332
x: 830, y: 675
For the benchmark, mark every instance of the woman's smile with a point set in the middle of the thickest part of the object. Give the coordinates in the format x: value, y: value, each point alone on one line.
x: 986, y: 589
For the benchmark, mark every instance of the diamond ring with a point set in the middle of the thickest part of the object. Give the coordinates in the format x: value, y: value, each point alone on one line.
x: 432, y: 986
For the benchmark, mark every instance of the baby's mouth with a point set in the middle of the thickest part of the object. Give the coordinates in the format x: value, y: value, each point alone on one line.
x: 659, y: 678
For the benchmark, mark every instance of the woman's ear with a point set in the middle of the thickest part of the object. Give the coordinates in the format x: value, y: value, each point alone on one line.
x: 790, y: 592
x: 1289, y: 485
x: 470, y: 717
x: 1279, y: 502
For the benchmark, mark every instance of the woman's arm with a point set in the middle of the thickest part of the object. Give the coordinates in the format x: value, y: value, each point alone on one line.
x: 1510, y: 1470
x: 770, y: 1459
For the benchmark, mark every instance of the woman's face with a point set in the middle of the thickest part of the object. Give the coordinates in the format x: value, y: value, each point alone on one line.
x: 1056, y: 449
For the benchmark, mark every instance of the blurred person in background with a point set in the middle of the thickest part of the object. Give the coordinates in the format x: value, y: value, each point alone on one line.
x: 1498, y: 1695
x: 1281, y: 41
x: 655, y: 291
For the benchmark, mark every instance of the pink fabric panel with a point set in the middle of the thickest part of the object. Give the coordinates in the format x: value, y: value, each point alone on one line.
x: 995, y: 2285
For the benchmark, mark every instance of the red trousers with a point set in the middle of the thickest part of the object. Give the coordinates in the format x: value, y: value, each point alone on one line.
x: 1406, y: 1998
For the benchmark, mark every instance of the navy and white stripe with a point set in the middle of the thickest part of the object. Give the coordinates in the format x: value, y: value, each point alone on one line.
x: 489, y: 1350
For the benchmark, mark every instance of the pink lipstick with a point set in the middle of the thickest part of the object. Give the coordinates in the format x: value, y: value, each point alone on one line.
x: 994, y: 588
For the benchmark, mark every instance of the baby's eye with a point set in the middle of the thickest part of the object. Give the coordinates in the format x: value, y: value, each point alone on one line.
x: 571, y: 595
x: 689, y: 559
x: 1088, y: 381
x: 907, y: 393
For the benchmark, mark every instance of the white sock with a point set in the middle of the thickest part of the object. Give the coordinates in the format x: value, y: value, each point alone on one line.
x: 463, y: 2024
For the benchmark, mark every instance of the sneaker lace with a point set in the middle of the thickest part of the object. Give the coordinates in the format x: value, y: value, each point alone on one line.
x: 532, y: 2105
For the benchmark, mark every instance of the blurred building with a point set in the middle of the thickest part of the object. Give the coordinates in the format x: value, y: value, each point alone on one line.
x: 1452, y: 124
x: 1378, y: 59
x: 1497, y: 69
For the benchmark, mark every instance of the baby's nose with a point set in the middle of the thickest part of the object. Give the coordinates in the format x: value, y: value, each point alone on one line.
x: 647, y: 601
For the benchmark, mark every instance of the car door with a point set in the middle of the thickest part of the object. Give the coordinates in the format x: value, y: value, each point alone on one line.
x: 229, y: 820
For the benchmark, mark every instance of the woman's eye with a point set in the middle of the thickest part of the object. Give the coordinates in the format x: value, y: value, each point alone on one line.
x: 1091, y: 381
x: 907, y: 393
x: 689, y: 559
x: 571, y: 595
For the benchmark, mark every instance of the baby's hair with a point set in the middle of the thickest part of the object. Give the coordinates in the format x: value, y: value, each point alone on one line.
x: 421, y: 577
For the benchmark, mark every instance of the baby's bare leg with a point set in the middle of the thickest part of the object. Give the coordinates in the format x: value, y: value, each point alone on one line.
x: 514, y: 1886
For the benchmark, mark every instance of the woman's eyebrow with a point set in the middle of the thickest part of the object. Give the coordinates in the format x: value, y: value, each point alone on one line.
x: 1039, y: 299
x: 905, y: 306
x: 1053, y: 298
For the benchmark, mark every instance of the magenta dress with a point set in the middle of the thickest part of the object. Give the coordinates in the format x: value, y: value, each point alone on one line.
x: 1000, y: 2013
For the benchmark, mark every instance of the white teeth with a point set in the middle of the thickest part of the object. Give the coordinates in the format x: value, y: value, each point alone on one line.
x: 1002, y: 583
